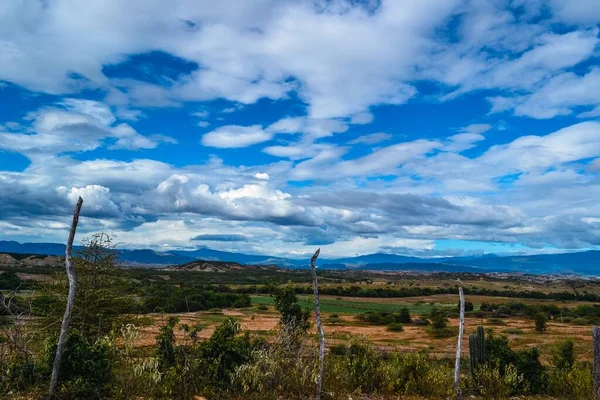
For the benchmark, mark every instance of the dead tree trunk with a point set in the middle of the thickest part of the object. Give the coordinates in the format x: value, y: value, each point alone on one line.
x: 319, y: 326
x: 64, y: 329
x: 461, y: 328
x: 596, y: 336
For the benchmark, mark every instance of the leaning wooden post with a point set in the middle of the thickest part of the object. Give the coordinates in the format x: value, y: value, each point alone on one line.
x: 319, y: 326
x: 596, y: 336
x: 64, y: 329
x: 461, y: 328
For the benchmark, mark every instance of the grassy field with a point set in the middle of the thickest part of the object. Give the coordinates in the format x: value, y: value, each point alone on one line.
x: 342, y: 305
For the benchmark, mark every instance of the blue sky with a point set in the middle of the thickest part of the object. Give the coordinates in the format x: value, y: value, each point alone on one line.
x: 415, y: 127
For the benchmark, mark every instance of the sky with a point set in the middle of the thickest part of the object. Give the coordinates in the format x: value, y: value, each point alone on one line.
x: 418, y: 127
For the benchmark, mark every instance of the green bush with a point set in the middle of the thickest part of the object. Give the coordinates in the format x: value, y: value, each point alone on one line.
x: 416, y: 374
x: 86, y: 370
x: 404, y: 316
x: 563, y: 355
x: 575, y: 383
x: 395, y: 327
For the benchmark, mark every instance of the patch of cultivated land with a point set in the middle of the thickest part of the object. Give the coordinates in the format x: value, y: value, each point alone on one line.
x: 520, y: 331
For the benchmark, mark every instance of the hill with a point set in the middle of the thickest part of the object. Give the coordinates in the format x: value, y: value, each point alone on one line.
x: 216, y: 266
x: 585, y: 263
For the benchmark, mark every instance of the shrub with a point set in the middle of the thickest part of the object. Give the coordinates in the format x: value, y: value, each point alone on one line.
x: 439, y: 319
x: 334, y: 319
x: 262, y: 307
x: 416, y: 374
x: 540, y: 322
x: 293, y: 316
x: 468, y: 306
x: 86, y: 370
x: 495, y: 321
x: 404, y: 317
x: 575, y: 383
x: 395, y: 327
x: 491, y: 382
x: 224, y: 352
x: 563, y: 356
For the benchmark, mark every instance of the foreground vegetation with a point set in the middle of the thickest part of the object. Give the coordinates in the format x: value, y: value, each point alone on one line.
x: 218, y: 354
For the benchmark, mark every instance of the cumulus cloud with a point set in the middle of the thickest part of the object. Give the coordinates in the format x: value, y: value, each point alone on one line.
x: 75, y: 125
x: 340, y: 63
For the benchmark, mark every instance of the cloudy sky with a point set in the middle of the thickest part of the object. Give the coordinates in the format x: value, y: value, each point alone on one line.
x: 427, y: 127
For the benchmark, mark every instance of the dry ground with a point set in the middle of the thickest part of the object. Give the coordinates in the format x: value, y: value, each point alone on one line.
x: 412, y: 339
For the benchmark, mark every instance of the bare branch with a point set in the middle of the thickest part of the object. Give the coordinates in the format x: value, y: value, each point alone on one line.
x: 64, y: 329
x: 319, y: 326
x: 461, y: 327
x: 596, y: 336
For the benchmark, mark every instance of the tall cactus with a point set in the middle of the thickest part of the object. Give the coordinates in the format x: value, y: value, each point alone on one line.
x: 477, y: 348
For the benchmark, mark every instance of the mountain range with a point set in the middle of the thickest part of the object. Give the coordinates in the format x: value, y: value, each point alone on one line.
x: 584, y: 263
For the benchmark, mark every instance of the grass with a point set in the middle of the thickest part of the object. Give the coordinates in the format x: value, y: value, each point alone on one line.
x: 343, y: 306
x: 513, y: 331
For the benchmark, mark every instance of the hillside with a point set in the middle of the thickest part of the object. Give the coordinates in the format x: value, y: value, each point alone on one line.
x: 30, y: 260
x: 585, y: 263
x: 217, y: 266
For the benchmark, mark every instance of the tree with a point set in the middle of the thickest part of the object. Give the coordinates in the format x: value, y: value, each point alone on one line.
x: 468, y: 306
x: 404, y: 316
x: 293, y: 317
x: 540, y: 322
x: 563, y: 356
x: 439, y: 319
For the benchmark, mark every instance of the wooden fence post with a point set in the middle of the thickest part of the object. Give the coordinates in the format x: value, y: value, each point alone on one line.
x: 461, y: 327
x: 596, y: 336
x: 64, y: 328
x: 313, y: 269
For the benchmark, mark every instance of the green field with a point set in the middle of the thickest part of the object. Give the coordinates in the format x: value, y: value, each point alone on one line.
x: 343, y: 306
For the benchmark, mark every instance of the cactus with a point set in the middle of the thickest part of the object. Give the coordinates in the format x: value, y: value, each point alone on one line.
x: 477, y: 354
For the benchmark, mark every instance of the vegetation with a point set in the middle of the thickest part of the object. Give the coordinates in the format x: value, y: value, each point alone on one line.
x: 102, y: 360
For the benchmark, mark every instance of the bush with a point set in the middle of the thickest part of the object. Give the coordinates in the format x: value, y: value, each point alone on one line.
x: 395, y: 327
x: 574, y: 383
x: 379, y: 318
x: 416, y: 374
x: 404, y: 317
x: 439, y: 319
x: 563, y: 356
x: 86, y: 370
x: 492, y: 382
x: 540, y: 322
x: 468, y: 306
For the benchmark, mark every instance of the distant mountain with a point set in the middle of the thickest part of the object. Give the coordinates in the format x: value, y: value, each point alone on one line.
x: 151, y: 257
x: 217, y: 266
x: 53, y: 249
x: 144, y: 257
x: 379, y: 258
x: 586, y: 263
x: 409, y: 266
x: 216, y: 255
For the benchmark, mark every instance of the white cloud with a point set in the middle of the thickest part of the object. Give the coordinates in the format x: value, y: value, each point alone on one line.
x: 262, y: 176
x: 362, y: 118
x: 75, y: 125
x: 372, y: 138
x: 233, y: 136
